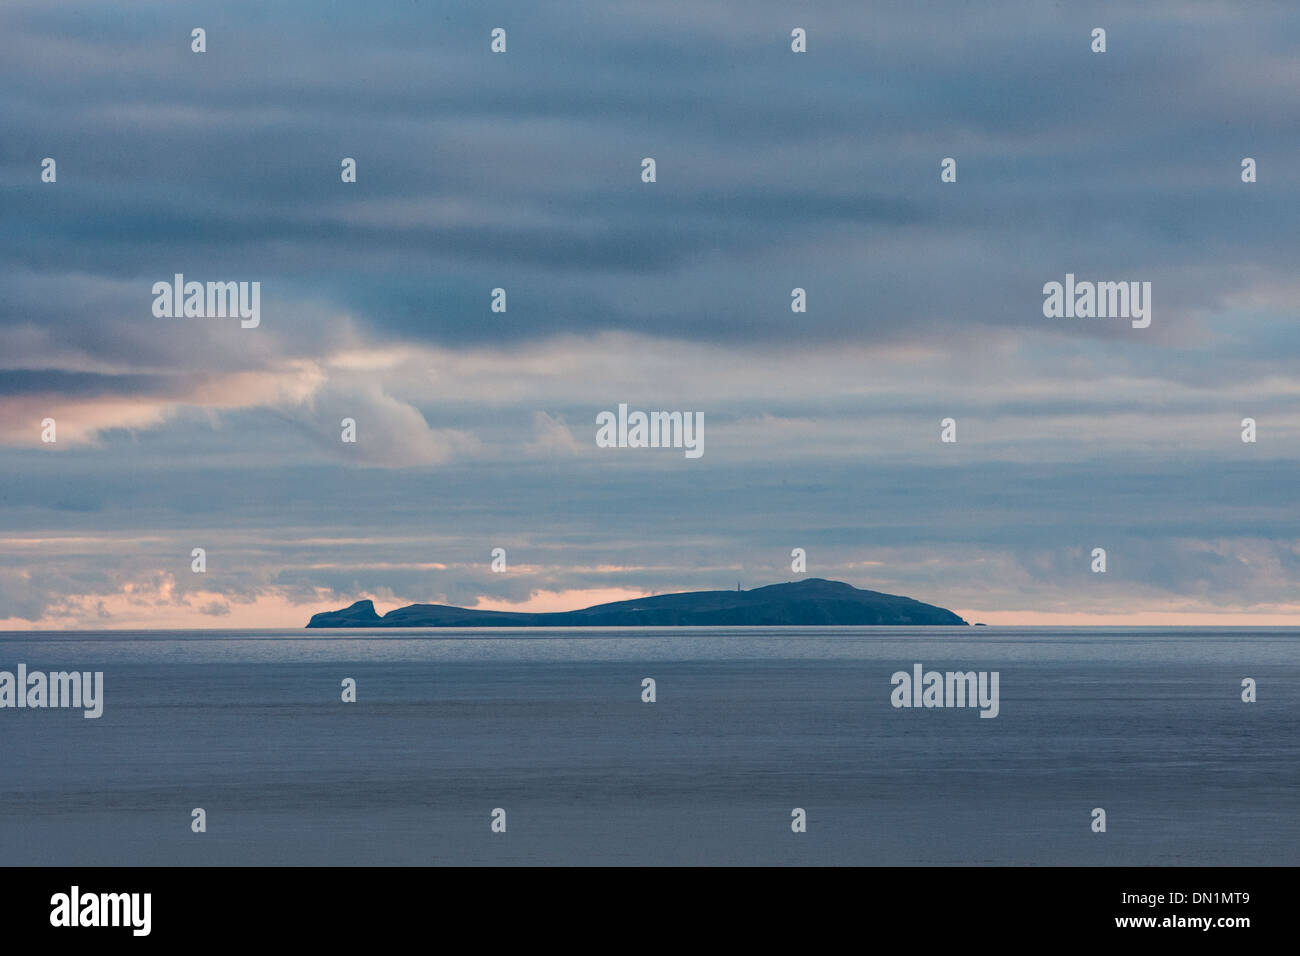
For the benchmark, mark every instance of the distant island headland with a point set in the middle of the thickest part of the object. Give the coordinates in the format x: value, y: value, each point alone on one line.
x: 813, y: 601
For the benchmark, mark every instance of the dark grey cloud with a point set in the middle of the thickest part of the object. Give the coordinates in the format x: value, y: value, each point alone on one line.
x: 828, y: 163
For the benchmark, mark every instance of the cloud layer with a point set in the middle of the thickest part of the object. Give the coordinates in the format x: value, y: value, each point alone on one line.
x: 522, y: 171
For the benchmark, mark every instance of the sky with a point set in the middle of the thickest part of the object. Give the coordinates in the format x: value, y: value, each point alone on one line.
x: 522, y: 170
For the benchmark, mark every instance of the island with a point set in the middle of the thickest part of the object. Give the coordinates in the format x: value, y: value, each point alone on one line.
x: 809, y: 602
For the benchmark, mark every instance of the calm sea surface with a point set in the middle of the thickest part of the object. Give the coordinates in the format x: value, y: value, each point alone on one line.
x: 749, y: 723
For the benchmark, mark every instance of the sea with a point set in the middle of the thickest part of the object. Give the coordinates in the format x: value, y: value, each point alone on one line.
x: 537, y: 747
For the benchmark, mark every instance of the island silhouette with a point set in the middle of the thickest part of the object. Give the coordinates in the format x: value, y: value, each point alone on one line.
x: 813, y: 601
